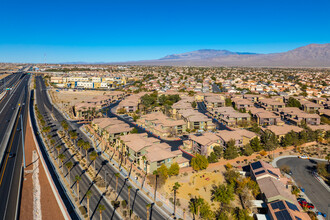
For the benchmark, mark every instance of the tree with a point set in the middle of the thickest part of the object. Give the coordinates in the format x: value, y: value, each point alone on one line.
x: 218, y: 151
x: 134, y: 131
x: 241, y: 214
x: 175, y: 188
x: 199, y: 162
x: 231, y: 150
x: 73, y: 136
x: 174, y: 169
x: 162, y: 170
x: 46, y: 129
x: 194, y: 104
x: 93, y: 155
x: 62, y: 158
x: 58, y: 148
x: 269, y: 140
x: 231, y: 176
x: 69, y: 166
x: 200, y: 208
x: 256, y: 144
x: 222, y: 193
x: 228, y: 102
x: 212, y: 158
x: 86, y: 147
x: 129, y: 199
x: 156, y: 177
x: 117, y: 177
x: 80, y: 144
x: 148, y: 207
x: 88, y: 196
x: 65, y: 125
x: 248, y: 150
x: 292, y: 102
x: 101, y: 208
x: 77, y: 178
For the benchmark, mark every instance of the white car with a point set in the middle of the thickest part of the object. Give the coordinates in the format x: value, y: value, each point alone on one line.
x: 303, y: 157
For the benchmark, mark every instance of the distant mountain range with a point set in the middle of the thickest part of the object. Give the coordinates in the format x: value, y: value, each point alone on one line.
x: 312, y: 55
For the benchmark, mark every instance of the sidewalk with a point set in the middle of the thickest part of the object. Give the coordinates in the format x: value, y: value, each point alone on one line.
x: 147, y: 190
x: 47, y: 197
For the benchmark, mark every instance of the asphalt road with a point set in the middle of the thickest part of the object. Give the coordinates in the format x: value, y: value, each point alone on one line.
x: 202, y: 109
x: 11, y: 169
x: 138, y: 201
x: 301, y: 173
x: 215, y: 88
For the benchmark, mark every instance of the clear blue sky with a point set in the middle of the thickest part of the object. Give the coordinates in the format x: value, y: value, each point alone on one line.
x: 121, y: 30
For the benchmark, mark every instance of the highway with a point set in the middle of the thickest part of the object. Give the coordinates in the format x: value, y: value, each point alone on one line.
x: 301, y: 173
x: 11, y: 167
x: 138, y: 200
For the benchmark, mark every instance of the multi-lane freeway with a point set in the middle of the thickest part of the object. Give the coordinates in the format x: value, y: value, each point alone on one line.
x: 104, y: 168
x: 13, y: 113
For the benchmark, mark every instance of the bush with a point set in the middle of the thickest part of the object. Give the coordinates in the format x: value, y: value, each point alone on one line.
x: 263, y: 153
x: 123, y: 204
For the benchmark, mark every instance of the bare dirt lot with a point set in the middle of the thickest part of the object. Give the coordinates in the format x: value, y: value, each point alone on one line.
x: 3, y: 76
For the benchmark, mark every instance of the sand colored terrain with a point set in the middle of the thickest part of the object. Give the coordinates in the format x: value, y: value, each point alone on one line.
x: 3, y: 76
x: 49, y: 207
x: 194, y: 184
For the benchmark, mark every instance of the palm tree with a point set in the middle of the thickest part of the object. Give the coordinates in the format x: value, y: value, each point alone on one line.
x: 77, y: 178
x: 88, y: 196
x: 46, y: 129
x: 176, y: 186
x: 184, y: 214
x: 52, y: 142
x: 69, y: 166
x: 148, y: 207
x: 86, y: 147
x: 194, y: 206
x: 156, y: 176
x: 101, y: 208
x: 58, y: 148
x: 80, y: 144
x: 65, y: 126
x: 117, y: 176
x: 62, y: 158
x: 74, y: 136
x: 127, y: 157
x: 93, y: 157
x: 129, y: 199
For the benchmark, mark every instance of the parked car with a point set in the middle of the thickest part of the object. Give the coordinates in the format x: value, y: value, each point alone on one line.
x: 306, y: 204
x: 303, y: 157
x: 301, y: 200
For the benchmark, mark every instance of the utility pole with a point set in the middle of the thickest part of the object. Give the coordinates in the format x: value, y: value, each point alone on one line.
x: 22, y: 131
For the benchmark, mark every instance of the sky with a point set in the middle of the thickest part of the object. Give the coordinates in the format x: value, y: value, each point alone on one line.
x: 121, y: 30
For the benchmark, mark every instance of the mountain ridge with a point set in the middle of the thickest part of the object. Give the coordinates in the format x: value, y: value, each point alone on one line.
x: 312, y: 55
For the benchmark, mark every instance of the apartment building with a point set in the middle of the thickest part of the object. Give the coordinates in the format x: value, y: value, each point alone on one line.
x: 148, y: 153
x: 161, y: 125
x: 196, y: 120
x: 230, y: 117
x: 110, y: 128
x: 264, y: 117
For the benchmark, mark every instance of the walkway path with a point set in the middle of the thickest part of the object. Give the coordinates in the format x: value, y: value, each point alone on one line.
x: 47, y: 197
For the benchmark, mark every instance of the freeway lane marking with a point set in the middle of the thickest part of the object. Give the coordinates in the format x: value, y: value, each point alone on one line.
x: 11, y: 144
x: 12, y: 93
